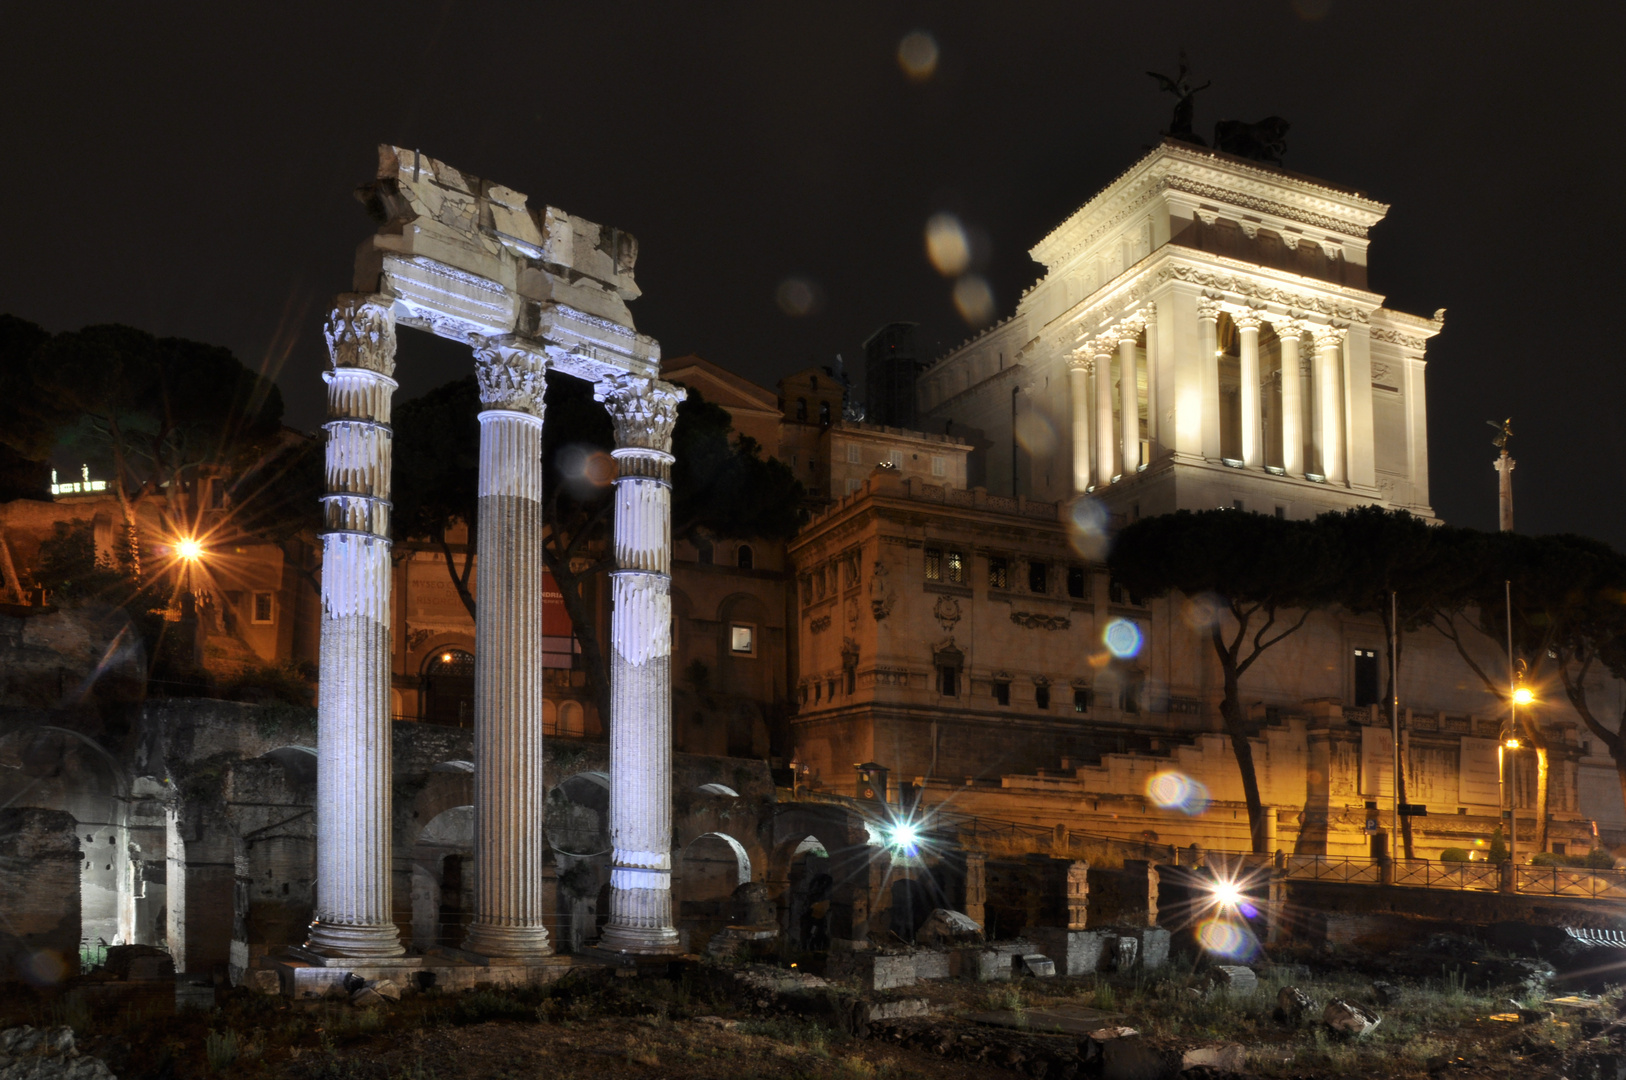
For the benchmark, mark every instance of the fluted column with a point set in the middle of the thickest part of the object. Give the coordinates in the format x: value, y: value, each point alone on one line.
x: 1208, y: 313
x: 1253, y: 444
x: 1129, y: 398
x: 644, y: 413
x: 353, y: 908
x: 1078, y: 375
x: 509, y: 793
x: 1105, y: 452
x: 1288, y: 332
x: 1153, y: 436
x: 1329, y: 403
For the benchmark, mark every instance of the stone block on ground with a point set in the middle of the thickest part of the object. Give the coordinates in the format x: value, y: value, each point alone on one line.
x: 898, y: 1010
x: 1293, y: 1005
x: 946, y: 927
x: 875, y: 971
x: 262, y: 981
x: 1233, y: 979
x: 29, y: 1053
x: 194, y: 993
x: 1154, y: 947
x: 993, y: 965
x: 1348, y: 1018
x: 1038, y: 965
x: 933, y: 964
x: 1230, y: 1058
x: 1125, y: 951
x: 1385, y: 993
x: 387, y: 989
x: 1076, y: 952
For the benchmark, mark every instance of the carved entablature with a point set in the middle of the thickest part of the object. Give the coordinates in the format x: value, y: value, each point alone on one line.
x: 1034, y: 621
x: 644, y: 411
x: 360, y: 332
x: 1259, y: 293
x: 510, y: 378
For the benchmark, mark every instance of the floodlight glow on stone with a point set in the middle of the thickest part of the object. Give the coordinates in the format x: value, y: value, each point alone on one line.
x: 1123, y: 638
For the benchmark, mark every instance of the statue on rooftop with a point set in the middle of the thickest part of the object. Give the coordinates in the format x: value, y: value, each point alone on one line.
x: 1186, y: 94
x: 1504, y: 432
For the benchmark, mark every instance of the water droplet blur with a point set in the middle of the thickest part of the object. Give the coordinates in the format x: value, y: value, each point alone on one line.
x: 946, y: 245
x: 1123, y: 638
x: 1202, y: 612
x: 1225, y: 938
x: 1177, y: 791
x: 799, y: 296
x: 1034, y: 434
x: 974, y: 300
x: 1087, y: 528
x: 917, y: 55
x: 586, y: 470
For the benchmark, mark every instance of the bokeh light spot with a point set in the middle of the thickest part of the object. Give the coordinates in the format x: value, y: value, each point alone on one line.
x: 917, y: 55
x: 974, y: 300
x: 799, y: 297
x: 1177, y: 791
x: 1202, y: 612
x: 947, y: 245
x: 1123, y: 638
x: 585, y: 469
x: 1225, y: 938
x: 1087, y: 528
x: 1034, y: 434
x: 46, y: 967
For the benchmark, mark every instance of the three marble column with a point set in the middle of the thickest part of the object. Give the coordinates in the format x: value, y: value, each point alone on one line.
x: 354, y: 916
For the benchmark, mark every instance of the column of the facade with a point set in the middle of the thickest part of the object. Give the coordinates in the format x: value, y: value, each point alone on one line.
x: 1105, y: 452
x: 353, y: 805
x: 1253, y: 444
x: 509, y: 793
x: 1129, y: 397
x: 1208, y: 313
x: 1152, y: 434
x: 1329, y: 404
x: 644, y: 413
x: 1078, y: 388
x: 1288, y: 332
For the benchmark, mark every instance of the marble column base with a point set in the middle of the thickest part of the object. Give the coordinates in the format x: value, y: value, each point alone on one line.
x: 341, y: 940
x: 508, y: 942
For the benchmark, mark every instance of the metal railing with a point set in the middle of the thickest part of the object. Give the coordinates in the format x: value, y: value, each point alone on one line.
x: 1434, y: 874
x: 1334, y: 868
x: 1571, y: 881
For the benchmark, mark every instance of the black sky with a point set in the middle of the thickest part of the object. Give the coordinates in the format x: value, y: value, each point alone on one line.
x: 188, y: 169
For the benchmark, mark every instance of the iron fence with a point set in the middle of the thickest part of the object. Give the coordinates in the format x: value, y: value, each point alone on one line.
x: 1334, y: 868
x: 1433, y: 874
x: 1571, y: 881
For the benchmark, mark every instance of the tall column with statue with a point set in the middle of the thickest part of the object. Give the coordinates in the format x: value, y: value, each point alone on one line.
x: 1504, y: 467
x: 644, y: 412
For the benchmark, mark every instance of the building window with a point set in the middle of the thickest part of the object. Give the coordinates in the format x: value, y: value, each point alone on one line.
x: 1038, y: 574
x: 948, y: 680
x: 1081, y: 701
x: 742, y: 639
x: 1041, y: 697
x: 956, y: 567
x: 1236, y: 504
x: 1120, y: 595
x: 1134, y: 686
x: 830, y: 688
x: 1366, y: 678
x: 999, y: 572
x: 854, y: 457
x: 812, y: 382
x: 264, y: 608
x: 934, y: 564
x: 851, y: 679
x: 801, y: 408
x: 745, y: 557
x: 824, y: 413
x: 939, y: 466
x: 895, y: 457
x: 852, y: 486
x: 1281, y: 513
x: 1077, y: 583
x: 1002, y: 693
x: 703, y: 550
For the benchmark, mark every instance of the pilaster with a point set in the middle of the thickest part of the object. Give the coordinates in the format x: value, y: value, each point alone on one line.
x: 1253, y: 446
x: 1329, y: 404
x: 1105, y: 452
x: 1289, y: 333
x: 1208, y: 312
x: 1078, y: 388
x: 1129, y: 397
x: 1360, y: 453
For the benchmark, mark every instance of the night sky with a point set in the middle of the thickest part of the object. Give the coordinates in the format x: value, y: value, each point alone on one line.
x: 188, y: 170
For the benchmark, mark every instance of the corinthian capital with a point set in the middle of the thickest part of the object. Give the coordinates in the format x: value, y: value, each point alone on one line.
x: 1286, y: 326
x: 511, y: 378
x: 1080, y: 360
x: 1208, y: 309
x: 360, y: 332
x: 1128, y: 330
x: 644, y: 411
x: 1327, y: 337
x: 1247, y: 320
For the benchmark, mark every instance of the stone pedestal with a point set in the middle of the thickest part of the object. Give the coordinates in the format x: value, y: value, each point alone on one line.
x: 509, y: 792
x: 353, y: 911
x: 644, y: 412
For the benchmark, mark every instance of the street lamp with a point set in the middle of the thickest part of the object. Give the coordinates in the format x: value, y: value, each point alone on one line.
x: 188, y: 549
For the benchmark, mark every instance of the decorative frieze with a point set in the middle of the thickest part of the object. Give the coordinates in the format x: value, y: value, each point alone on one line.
x: 1035, y: 621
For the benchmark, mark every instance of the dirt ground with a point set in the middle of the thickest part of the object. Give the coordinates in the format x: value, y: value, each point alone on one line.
x: 703, y: 1026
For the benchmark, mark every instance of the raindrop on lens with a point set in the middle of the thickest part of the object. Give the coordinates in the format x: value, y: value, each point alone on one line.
x: 917, y: 55
x: 947, y: 245
x: 974, y: 300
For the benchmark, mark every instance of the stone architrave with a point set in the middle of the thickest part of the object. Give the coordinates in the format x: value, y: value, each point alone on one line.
x: 509, y: 792
x: 353, y: 806
x: 644, y: 412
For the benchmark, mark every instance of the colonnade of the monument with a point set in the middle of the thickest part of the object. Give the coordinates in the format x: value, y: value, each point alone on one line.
x: 1107, y: 442
x: 353, y: 903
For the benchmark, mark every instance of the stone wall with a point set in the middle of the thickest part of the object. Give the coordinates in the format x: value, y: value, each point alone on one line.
x: 39, y: 879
